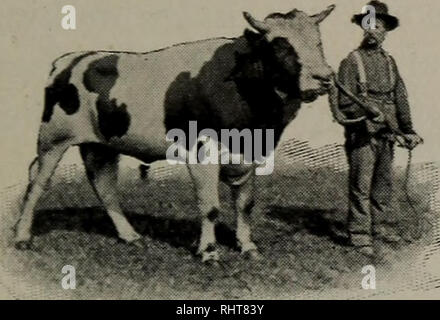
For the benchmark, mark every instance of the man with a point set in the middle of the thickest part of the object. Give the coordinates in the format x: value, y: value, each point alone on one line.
x: 371, y: 74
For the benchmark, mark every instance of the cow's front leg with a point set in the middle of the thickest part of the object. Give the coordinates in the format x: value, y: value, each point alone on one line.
x: 206, y: 180
x: 243, y: 197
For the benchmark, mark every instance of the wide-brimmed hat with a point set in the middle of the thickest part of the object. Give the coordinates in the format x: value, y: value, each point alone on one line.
x: 391, y: 22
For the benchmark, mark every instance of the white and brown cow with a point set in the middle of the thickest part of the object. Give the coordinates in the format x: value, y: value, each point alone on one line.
x: 111, y: 103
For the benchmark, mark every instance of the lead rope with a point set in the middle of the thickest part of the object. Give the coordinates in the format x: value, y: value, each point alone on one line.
x: 417, y: 234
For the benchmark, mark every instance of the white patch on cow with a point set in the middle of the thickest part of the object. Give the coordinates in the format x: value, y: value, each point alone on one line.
x: 207, y: 235
x: 206, y: 179
x: 144, y: 101
x: 301, y: 34
x: 142, y: 85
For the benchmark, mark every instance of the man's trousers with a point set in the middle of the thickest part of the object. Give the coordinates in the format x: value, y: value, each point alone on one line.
x: 370, y: 188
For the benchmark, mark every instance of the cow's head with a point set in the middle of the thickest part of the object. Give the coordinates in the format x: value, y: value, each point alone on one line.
x: 295, y: 44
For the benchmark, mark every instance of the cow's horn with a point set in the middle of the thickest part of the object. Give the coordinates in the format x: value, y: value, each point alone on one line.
x: 324, y: 14
x: 257, y: 25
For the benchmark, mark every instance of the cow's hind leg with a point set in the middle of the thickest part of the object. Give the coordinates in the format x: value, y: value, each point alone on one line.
x: 101, y: 165
x: 206, y: 180
x: 47, y: 162
x: 243, y: 197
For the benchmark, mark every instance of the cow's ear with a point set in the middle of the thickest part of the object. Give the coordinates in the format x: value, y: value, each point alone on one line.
x: 252, y: 37
x: 324, y: 14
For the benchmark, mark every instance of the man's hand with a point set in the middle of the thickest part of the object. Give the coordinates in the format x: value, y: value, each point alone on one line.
x: 374, y: 113
x: 412, y: 140
x: 379, y: 119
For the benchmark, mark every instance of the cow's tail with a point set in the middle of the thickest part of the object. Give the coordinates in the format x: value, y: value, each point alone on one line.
x: 32, y: 173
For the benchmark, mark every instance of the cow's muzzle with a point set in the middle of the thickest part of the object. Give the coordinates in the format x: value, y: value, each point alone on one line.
x: 322, y: 86
x: 325, y: 82
x: 309, y: 95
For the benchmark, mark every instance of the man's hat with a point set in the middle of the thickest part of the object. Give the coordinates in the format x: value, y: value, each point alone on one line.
x: 391, y: 22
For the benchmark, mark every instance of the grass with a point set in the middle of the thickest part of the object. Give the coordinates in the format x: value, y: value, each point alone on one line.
x: 298, y: 224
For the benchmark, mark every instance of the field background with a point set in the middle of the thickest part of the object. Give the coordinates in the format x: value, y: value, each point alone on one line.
x: 299, y: 224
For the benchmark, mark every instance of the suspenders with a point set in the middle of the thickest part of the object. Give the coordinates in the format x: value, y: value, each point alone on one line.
x: 387, y: 107
x: 363, y: 75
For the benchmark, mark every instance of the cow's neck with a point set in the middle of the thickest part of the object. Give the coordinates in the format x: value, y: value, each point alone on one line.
x: 262, y: 85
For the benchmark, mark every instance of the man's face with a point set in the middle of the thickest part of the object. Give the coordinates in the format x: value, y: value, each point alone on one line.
x: 373, y: 38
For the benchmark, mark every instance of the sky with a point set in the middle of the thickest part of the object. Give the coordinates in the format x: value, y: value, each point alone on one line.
x: 31, y: 38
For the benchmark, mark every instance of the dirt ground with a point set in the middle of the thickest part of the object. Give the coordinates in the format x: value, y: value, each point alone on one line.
x: 298, y: 224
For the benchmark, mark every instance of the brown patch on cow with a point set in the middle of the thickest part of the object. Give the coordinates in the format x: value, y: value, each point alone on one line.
x: 100, y: 77
x: 238, y: 89
x: 63, y: 92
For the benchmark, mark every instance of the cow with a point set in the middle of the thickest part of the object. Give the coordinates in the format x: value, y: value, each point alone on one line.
x: 110, y: 103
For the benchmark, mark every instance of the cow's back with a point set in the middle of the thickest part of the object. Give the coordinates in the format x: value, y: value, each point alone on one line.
x: 125, y: 97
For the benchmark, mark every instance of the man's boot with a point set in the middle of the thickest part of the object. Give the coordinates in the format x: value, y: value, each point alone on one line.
x: 387, y: 236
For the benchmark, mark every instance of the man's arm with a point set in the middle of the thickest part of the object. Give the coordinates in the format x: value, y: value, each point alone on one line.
x: 412, y: 139
x: 402, y: 104
x: 348, y: 77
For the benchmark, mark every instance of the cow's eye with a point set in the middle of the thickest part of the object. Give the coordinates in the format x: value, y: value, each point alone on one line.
x: 282, y: 47
x: 280, y: 42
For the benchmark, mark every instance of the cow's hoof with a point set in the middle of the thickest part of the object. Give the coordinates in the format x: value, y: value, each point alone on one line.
x: 210, y: 256
x: 253, y: 255
x: 23, y: 245
x: 250, y: 251
x: 138, y: 243
x: 212, y: 263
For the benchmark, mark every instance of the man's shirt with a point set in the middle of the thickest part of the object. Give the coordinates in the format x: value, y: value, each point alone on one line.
x: 379, y: 84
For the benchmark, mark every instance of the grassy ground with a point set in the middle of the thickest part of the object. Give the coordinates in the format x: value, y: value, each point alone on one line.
x: 299, y: 224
